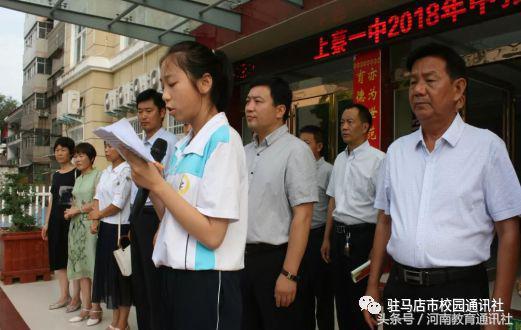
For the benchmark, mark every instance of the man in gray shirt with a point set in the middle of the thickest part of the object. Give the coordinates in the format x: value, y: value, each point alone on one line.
x: 317, y: 273
x: 282, y: 190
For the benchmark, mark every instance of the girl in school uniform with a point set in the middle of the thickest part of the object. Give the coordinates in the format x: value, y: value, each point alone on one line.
x: 203, y: 200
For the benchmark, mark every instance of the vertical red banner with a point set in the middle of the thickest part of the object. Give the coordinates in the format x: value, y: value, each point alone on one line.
x: 367, y: 88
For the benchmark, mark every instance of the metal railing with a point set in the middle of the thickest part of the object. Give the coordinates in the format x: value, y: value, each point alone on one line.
x: 37, y: 209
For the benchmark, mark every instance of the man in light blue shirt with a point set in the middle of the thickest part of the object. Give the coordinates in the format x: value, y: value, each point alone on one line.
x: 443, y: 192
x: 145, y: 276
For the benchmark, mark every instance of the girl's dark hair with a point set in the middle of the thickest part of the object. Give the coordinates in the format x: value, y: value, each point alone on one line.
x: 65, y: 142
x: 87, y: 149
x: 196, y: 59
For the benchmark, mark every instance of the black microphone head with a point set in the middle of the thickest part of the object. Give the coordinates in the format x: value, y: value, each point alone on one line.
x: 158, y: 149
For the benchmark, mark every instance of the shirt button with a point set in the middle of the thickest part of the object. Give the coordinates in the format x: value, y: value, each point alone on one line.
x: 258, y: 154
x: 251, y: 172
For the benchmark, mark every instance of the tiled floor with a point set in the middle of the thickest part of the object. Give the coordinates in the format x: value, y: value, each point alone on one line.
x: 31, y: 301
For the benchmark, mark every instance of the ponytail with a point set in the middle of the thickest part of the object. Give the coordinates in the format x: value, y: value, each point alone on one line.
x: 222, y: 94
x: 196, y: 59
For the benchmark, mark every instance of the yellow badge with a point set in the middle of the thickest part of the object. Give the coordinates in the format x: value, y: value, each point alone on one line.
x: 184, y: 185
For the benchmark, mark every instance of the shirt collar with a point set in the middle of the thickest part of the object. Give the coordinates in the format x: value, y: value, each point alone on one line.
x: 118, y: 168
x: 452, y: 135
x: 272, y: 137
x: 198, y: 143
x: 154, y: 137
x: 358, y: 149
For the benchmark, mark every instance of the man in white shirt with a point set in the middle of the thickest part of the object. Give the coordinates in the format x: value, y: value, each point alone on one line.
x: 145, y: 276
x: 443, y: 191
x: 351, y: 216
x: 318, y: 294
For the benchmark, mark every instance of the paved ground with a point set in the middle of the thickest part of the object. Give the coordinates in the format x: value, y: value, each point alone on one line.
x: 30, y: 303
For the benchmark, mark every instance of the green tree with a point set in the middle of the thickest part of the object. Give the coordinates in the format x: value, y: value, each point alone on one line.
x: 7, y: 104
x: 17, y: 197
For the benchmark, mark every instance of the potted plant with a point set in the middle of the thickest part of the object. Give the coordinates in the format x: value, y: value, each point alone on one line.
x: 23, y: 253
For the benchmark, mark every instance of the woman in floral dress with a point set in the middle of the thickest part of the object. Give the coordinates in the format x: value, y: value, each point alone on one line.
x: 83, y: 232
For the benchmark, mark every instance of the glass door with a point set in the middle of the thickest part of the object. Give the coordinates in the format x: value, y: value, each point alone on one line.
x: 322, y: 110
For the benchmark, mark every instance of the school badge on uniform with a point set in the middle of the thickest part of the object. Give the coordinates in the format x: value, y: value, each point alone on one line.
x: 184, y: 185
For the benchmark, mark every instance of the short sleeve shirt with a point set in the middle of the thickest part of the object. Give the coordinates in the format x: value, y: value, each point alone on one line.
x: 114, y: 188
x: 443, y: 204
x: 320, y: 208
x: 209, y: 172
x: 353, y: 184
x: 282, y: 174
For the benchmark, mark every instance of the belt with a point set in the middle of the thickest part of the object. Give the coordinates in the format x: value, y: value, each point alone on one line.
x: 341, y: 228
x: 254, y: 248
x: 433, y: 276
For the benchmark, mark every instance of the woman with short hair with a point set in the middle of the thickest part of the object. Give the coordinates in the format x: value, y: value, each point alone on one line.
x: 83, y: 232
x: 56, y: 228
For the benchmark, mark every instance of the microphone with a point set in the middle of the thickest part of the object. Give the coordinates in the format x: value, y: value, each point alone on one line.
x: 158, y: 152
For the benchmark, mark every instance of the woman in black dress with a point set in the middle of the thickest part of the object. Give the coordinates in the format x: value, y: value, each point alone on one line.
x: 56, y: 228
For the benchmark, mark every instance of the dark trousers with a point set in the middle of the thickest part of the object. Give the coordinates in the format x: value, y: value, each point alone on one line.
x: 262, y: 269
x: 348, y: 293
x: 201, y: 300
x: 317, y: 278
x: 146, y: 278
x: 475, y: 286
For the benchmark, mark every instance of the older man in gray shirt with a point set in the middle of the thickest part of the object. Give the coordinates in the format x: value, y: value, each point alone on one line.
x: 282, y: 190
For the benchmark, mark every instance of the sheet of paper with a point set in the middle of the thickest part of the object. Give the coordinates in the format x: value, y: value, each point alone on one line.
x: 121, y: 134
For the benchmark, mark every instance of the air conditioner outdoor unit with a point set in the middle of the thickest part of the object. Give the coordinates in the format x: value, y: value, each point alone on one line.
x: 154, y: 79
x: 60, y: 109
x: 128, y: 101
x: 110, y: 102
x: 141, y: 84
x: 71, y: 101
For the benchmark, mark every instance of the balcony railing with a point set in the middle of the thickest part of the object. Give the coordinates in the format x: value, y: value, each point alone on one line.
x: 14, y: 138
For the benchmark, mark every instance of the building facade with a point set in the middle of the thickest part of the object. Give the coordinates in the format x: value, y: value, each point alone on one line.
x: 102, y: 76
x: 29, y: 126
x: 332, y: 53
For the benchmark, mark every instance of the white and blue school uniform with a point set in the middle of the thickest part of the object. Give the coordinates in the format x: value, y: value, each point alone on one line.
x: 209, y: 172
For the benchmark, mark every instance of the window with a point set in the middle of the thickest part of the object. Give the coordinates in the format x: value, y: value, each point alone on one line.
x: 41, y: 101
x: 39, y: 65
x: 80, y: 36
x: 29, y: 40
x: 42, y: 137
x: 29, y: 71
x: 30, y: 36
x: 44, y: 28
x: 43, y: 65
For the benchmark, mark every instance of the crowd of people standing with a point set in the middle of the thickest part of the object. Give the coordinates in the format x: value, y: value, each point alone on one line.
x: 265, y: 236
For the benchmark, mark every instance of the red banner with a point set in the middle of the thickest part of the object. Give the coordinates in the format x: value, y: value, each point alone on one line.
x: 367, y: 88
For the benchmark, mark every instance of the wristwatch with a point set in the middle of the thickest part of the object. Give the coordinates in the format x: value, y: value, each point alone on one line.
x: 289, y: 276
